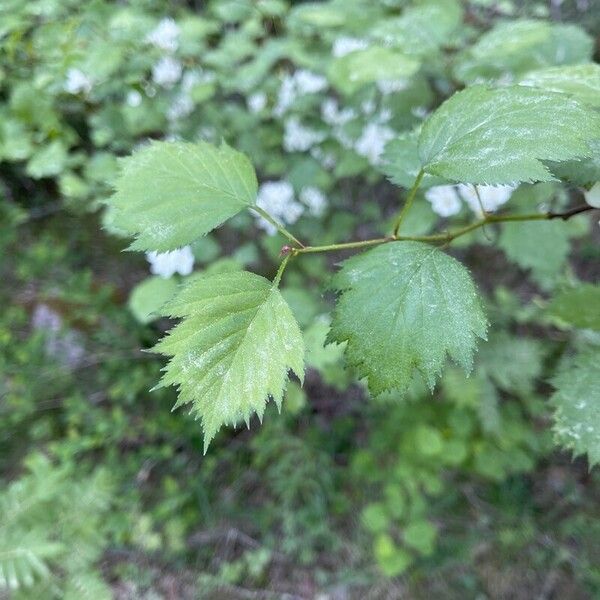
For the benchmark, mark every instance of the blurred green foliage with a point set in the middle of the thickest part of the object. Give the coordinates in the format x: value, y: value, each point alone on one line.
x: 452, y: 494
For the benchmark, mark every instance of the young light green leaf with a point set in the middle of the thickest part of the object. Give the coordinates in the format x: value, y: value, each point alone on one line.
x: 351, y: 72
x: 421, y: 29
x: 405, y: 306
x: 171, y: 193
x: 500, y: 136
x: 577, y: 403
x: 148, y: 297
x: 233, y: 348
x: 579, y: 306
x: 517, y: 47
x: 580, y: 81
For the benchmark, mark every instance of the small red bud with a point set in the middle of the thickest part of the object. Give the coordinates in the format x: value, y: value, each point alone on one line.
x: 285, y: 250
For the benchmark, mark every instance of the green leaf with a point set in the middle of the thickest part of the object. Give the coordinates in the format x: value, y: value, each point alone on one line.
x: 579, y: 306
x: 579, y: 81
x: 514, y: 364
x: 171, y: 193
x: 405, y: 306
x: 233, y: 349
x: 542, y: 247
x: 421, y: 29
x: 401, y: 162
x: 421, y: 536
x: 501, y: 136
x: 583, y: 172
x: 577, y: 403
x: 391, y: 560
x: 516, y: 47
x: 354, y: 70
x: 149, y: 296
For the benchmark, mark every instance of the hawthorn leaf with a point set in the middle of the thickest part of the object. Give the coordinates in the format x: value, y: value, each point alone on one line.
x: 401, y: 162
x: 541, y: 247
x: 579, y: 81
x: 583, y: 172
x: 577, y: 404
x: 501, y: 136
x: 233, y: 349
x: 172, y: 193
x: 578, y: 306
x: 406, y: 306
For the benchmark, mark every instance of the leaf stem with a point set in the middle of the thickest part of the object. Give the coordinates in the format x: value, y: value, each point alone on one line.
x: 267, y: 217
x: 281, y: 269
x: 409, y: 202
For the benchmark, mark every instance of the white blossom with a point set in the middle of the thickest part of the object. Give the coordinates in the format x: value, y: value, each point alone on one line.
x: 166, y: 264
x: 257, y: 102
x: 167, y: 72
x: 134, y: 98
x: 314, y: 199
x: 277, y: 198
x: 346, y: 45
x: 389, y: 86
x: 298, y: 138
x: 300, y: 82
x: 372, y: 141
x: 308, y: 82
x: 492, y: 197
x: 368, y: 107
x: 77, y: 81
x: 333, y: 115
x: 592, y: 196
x: 180, y: 108
x: 165, y: 35
x: 444, y: 199
x: 327, y: 158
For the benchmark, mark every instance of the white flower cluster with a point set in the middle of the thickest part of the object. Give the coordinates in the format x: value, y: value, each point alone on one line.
x: 134, y: 98
x: 183, y: 104
x: 346, y: 45
x: 327, y: 159
x: 298, y: 138
x: 165, y: 35
x: 300, y: 82
x: 333, y: 115
x: 372, y: 141
x: 314, y: 199
x: 166, y: 264
x: 77, y: 82
x: 389, y: 86
x: 278, y: 199
x: 592, y: 196
x: 446, y: 199
x: 257, y: 102
x: 167, y: 72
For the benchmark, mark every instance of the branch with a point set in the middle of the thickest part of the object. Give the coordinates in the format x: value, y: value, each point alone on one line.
x: 447, y: 237
x: 571, y: 212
